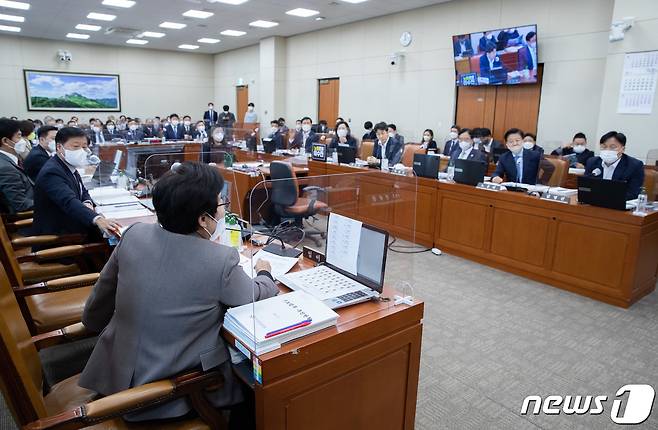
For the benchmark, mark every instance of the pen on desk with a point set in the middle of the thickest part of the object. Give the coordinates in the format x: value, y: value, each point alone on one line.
x: 287, y: 329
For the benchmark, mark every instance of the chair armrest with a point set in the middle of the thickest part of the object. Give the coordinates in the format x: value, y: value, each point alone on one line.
x: 62, y: 335
x: 63, y: 252
x: 132, y: 400
x: 46, y: 239
x: 17, y: 216
x: 59, y: 284
x: 17, y: 225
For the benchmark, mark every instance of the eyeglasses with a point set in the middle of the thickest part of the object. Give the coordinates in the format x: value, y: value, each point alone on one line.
x: 226, y: 203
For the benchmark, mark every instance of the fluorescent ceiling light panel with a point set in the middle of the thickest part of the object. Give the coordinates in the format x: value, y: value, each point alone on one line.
x: 10, y: 28
x: 14, y: 4
x: 87, y: 27
x: 137, y: 41
x: 233, y: 2
x: 77, y: 36
x: 101, y: 16
x: 193, y: 13
x: 301, y: 12
x: 174, y: 25
x: 12, y: 18
x: 185, y: 46
x: 152, y: 34
x: 234, y: 33
x: 354, y: 1
x: 263, y: 24
x: 119, y: 3
x: 208, y: 40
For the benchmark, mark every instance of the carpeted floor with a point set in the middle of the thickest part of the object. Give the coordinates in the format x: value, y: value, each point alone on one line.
x: 491, y: 338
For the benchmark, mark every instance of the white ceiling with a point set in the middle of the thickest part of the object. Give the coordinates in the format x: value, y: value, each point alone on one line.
x: 53, y: 19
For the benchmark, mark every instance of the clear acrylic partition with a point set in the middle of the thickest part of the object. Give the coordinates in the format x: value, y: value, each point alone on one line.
x: 279, y: 209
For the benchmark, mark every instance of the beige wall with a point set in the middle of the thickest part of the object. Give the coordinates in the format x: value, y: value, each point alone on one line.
x: 419, y: 93
x: 235, y: 67
x: 152, y: 82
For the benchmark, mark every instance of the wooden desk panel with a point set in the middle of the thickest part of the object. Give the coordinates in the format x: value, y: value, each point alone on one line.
x: 462, y: 222
x: 519, y: 236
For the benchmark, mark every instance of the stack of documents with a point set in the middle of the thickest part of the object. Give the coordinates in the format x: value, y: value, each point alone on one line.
x: 265, y: 325
x: 280, y: 265
x: 117, y: 203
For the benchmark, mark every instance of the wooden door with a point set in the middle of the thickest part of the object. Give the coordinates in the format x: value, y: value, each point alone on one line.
x: 476, y: 106
x: 328, y: 90
x: 242, y: 100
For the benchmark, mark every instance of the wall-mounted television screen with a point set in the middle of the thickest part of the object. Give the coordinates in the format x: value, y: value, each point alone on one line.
x: 496, y: 57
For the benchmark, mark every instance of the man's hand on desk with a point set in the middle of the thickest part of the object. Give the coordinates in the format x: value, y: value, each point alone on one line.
x: 497, y: 180
x: 263, y: 265
x: 108, y: 225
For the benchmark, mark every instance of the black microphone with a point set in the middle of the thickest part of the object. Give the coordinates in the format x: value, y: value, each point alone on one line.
x: 272, y: 248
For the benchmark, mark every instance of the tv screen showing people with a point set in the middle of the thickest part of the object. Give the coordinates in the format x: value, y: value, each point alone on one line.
x: 505, y: 56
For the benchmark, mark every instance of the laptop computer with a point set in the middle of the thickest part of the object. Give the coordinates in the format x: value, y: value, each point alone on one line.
x: 426, y: 165
x: 602, y: 192
x: 346, y: 154
x: 269, y: 145
x: 469, y: 172
x: 353, y: 270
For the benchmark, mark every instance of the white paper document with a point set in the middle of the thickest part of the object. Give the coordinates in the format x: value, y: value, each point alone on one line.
x: 124, y: 210
x: 343, y: 245
x: 280, y: 265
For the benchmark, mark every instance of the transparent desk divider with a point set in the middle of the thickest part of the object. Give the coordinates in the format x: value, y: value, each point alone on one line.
x: 287, y: 207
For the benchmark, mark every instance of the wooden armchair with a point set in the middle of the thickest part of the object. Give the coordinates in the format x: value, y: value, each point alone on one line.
x: 67, y: 405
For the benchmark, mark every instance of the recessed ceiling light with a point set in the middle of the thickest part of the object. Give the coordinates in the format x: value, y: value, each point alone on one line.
x: 151, y: 34
x: 208, y: 40
x: 320, y: 18
x: 301, y: 12
x: 119, y: 3
x: 87, y: 27
x: 233, y: 2
x: 185, y: 46
x: 14, y: 4
x: 263, y: 24
x: 354, y: 1
x: 12, y: 18
x: 137, y: 41
x: 10, y: 28
x: 192, y: 13
x: 77, y: 36
x: 174, y: 25
x: 101, y: 16
x: 234, y: 33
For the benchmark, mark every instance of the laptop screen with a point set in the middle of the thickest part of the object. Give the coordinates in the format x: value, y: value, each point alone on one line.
x: 357, y: 250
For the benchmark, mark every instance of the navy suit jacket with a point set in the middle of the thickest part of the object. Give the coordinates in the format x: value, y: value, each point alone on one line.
x: 277, y: 138
x: 482, y: 45
x: 35, y: 161
x: 474, y: 155
x: 58, y: 201
x: 351, y: 142
x: 393, y: 151
x: 134, y: 136
x: 171, y: 134
x: 468, y: 47
x: 298, y: 140
x: 210, y: 117
x: 629, y: 169
x: 485, y: 71
x: 450, y: 146
x: 506, y: 167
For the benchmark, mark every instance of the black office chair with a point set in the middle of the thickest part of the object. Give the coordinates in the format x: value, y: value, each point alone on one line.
x: 286, y: 199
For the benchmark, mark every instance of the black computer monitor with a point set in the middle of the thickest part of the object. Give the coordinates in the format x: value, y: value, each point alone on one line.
x: 346, y: 154
x: 602, y: 192
x: 426, y: 165
x: 469, y: 172
x: 269, y: 145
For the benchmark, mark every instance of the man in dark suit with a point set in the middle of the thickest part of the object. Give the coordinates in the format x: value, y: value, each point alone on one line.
x: 16, y: 188
x: 465, y: 150
x: 486, y: 38
x: 61, y: 202
x: 210, y: 116
x: 134, y: 133
x: 96, y: 134
x: 462, y: 46
x: 386, y: 146
x: 226, y: 119
x: 274, y: 135
x: 491, y: 67
x: 42, y: 152
x: 174, y: 131
x: 453, y: 142
x: 149, y: 129
x: 188, y: 128
x: 517, y: 165
x: 528, y: 54
x: 306, y: 137
x: 613, y: 164
x: 578, y: 146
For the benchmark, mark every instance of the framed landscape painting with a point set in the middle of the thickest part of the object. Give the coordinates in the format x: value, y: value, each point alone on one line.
x: 64, y: 91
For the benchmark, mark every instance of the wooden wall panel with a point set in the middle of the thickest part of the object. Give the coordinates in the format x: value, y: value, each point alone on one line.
x: 475, y: 106
x: 463, y: 222
x: 520, y: 236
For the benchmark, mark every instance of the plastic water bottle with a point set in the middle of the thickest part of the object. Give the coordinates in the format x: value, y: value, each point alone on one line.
x: 384, y: 163
x: 641, y: 208
x: 123, y: 182
x: 451, y: 170
x: 233, y: 233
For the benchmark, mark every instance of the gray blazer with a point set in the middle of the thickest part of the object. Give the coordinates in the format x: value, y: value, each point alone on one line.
x: 16, y: 187
x: 160, y: 303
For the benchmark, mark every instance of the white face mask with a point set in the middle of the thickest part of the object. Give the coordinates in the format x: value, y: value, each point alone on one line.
x: 220, y: 228
x: 76, y: 157
x: 250, y: 108
x: 608, y: 156
x: 427, y: 138
x: 298, y: 127
x: 218, y: 137
x: 211, y: 107
x: 59, y: 126
x: 21, y: 146
x: 341, y: 132
x: 110, y: 128
x: 391, y: 133
x: 187, y: 123
x: 133, y: 127
x: 452, y: 135
x: 464, y: 145
x: 201, y: 128
x: 95, y: 129
x: 476, y: 140
x: 579, y: 149
x: 52, y: 147
x: 274, y: 130
x: 528, y: 145
x: 306, y: 127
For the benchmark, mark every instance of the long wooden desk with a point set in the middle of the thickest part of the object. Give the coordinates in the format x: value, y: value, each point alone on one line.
x: 362, y: 373
x: 608, y: 255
